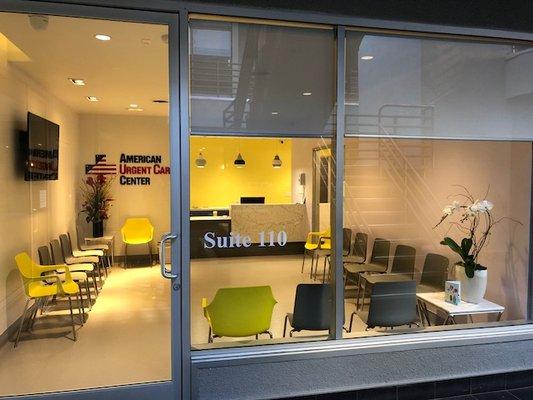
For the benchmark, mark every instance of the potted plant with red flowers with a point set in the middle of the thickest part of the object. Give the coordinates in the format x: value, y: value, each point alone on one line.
x: 96, y: 193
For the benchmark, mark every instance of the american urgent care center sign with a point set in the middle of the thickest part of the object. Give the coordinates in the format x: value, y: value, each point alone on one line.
x: 132, y: 169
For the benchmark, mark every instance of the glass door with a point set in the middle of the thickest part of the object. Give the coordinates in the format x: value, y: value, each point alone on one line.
x: 89, y: 138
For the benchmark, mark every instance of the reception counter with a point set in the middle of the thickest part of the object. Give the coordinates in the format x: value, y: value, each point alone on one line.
x: 251, y: 219
x: 249, y: 230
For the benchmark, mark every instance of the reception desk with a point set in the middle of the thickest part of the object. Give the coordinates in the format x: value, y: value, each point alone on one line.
x: 251, y: 219
x: 265, y: 229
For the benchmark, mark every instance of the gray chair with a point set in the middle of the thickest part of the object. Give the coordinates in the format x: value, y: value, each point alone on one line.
x: 403, y: 269
x: 78, y: 252
x: 434, y: 273
x: 312, y: 309
x: 346, y: 249
x: 379, y: 261
x: 96, y: 246
x: 70, y: 258
x: 59, y: 258
x: 357, y: 254
x: 391, y: 304
x: 77, y: 276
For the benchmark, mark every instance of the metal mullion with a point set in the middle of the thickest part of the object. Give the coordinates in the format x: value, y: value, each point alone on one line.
x: 336, y: 210
x: 183, y: 208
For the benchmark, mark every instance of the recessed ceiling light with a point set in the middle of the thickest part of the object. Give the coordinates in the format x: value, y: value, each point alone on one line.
x: 92, y: 98
x: 307, y: 94
x: 274, y: 113
x: 102, y: 37
x: 77, y: 81
x: 366, y: 58
x: 135, y: 109
x: 133, y: 105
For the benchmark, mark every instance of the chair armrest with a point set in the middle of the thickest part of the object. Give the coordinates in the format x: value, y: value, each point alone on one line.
x: 51, y: 268
x: 204, y: 307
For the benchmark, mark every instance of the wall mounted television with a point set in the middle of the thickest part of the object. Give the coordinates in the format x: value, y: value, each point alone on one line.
x: 42, y: 150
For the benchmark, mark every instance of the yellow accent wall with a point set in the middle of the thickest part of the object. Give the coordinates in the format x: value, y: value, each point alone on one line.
x: 220, y: 184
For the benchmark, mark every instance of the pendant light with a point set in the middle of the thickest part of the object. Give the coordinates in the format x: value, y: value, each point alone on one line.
x: 239, y: 161
x: 200, y: 162
x: 276, y: 162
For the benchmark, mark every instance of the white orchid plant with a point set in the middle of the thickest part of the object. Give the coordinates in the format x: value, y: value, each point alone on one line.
x: 473, y: 218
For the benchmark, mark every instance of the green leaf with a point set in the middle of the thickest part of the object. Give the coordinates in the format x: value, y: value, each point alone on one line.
x: 466, y: 245
x: 470, y: 269
x: 452, y: 244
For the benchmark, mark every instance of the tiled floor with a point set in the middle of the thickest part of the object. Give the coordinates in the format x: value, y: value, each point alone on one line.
x: 129, y: 326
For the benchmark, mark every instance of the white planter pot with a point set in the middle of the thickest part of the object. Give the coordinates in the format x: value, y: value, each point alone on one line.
x: 472, y: 289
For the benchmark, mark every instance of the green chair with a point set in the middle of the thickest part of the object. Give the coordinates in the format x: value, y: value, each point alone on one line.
x: 240, y: 312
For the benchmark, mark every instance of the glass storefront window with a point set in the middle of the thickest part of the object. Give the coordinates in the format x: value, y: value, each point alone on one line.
x: 254, y: 78
x: 255, y: 203
x: 403, y: 197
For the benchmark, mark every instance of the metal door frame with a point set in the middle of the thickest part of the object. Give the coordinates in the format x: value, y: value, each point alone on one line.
x: 179, y: 385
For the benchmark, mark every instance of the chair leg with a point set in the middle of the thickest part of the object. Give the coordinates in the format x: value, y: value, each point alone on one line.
x: 88, y: 292
x: 285, y: 325
x: 209, y: 337
x: 81, y: 309
x: 21, y: 322
x: 151, y: 255
x: 93, y: 277
x: 103, y: 262
x: 97, y: 267
x: 303, y: 262
x: 324, y: 271
x: 72, y: 318
x: 351, y: 322
x: 125, y: 255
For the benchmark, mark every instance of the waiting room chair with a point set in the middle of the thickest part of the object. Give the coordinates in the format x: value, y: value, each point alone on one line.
x: 379, y: 261
x: 38, y: 287
x: 346, y: 249
x: 96, y: 246
x: 74, y: 266
x: 317, y: 243
x: 357, y: 255
x: 434, y: 273
x: 312, y: 309
x: 137, y: 231
x: 76, y: 252
x: 240, y: 312
x: 403, y: 268
x: 391, y: 304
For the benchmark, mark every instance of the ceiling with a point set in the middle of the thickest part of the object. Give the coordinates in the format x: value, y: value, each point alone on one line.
x: 131, y: 68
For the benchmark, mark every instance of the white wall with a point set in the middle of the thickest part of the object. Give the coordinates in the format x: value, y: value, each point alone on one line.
x: 135, y: 134
x: 26, y: 224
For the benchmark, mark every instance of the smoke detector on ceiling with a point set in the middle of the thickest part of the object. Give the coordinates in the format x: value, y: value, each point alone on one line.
x: 38, y: 22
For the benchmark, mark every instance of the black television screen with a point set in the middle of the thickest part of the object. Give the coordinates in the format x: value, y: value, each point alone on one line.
x: 252, y: 200
x: 42, y: 163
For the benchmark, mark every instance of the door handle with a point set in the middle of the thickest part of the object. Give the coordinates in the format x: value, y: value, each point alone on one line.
x: 162, y: 255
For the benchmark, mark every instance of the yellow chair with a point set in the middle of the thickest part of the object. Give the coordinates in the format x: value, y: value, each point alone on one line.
x: 318, y: 244
x: 38, y: 287
x: 240, y: 312
x: 137, y: 231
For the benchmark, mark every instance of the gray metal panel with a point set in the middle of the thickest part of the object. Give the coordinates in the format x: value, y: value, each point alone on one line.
x: 184, y: 206
x: 290, y: 15
x: 327, y: 373
x: 336, y: 211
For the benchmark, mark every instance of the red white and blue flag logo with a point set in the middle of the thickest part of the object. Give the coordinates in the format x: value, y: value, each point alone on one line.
x: 100, y: 166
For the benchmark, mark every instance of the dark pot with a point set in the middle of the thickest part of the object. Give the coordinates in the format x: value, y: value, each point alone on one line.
x: 98, y: 229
